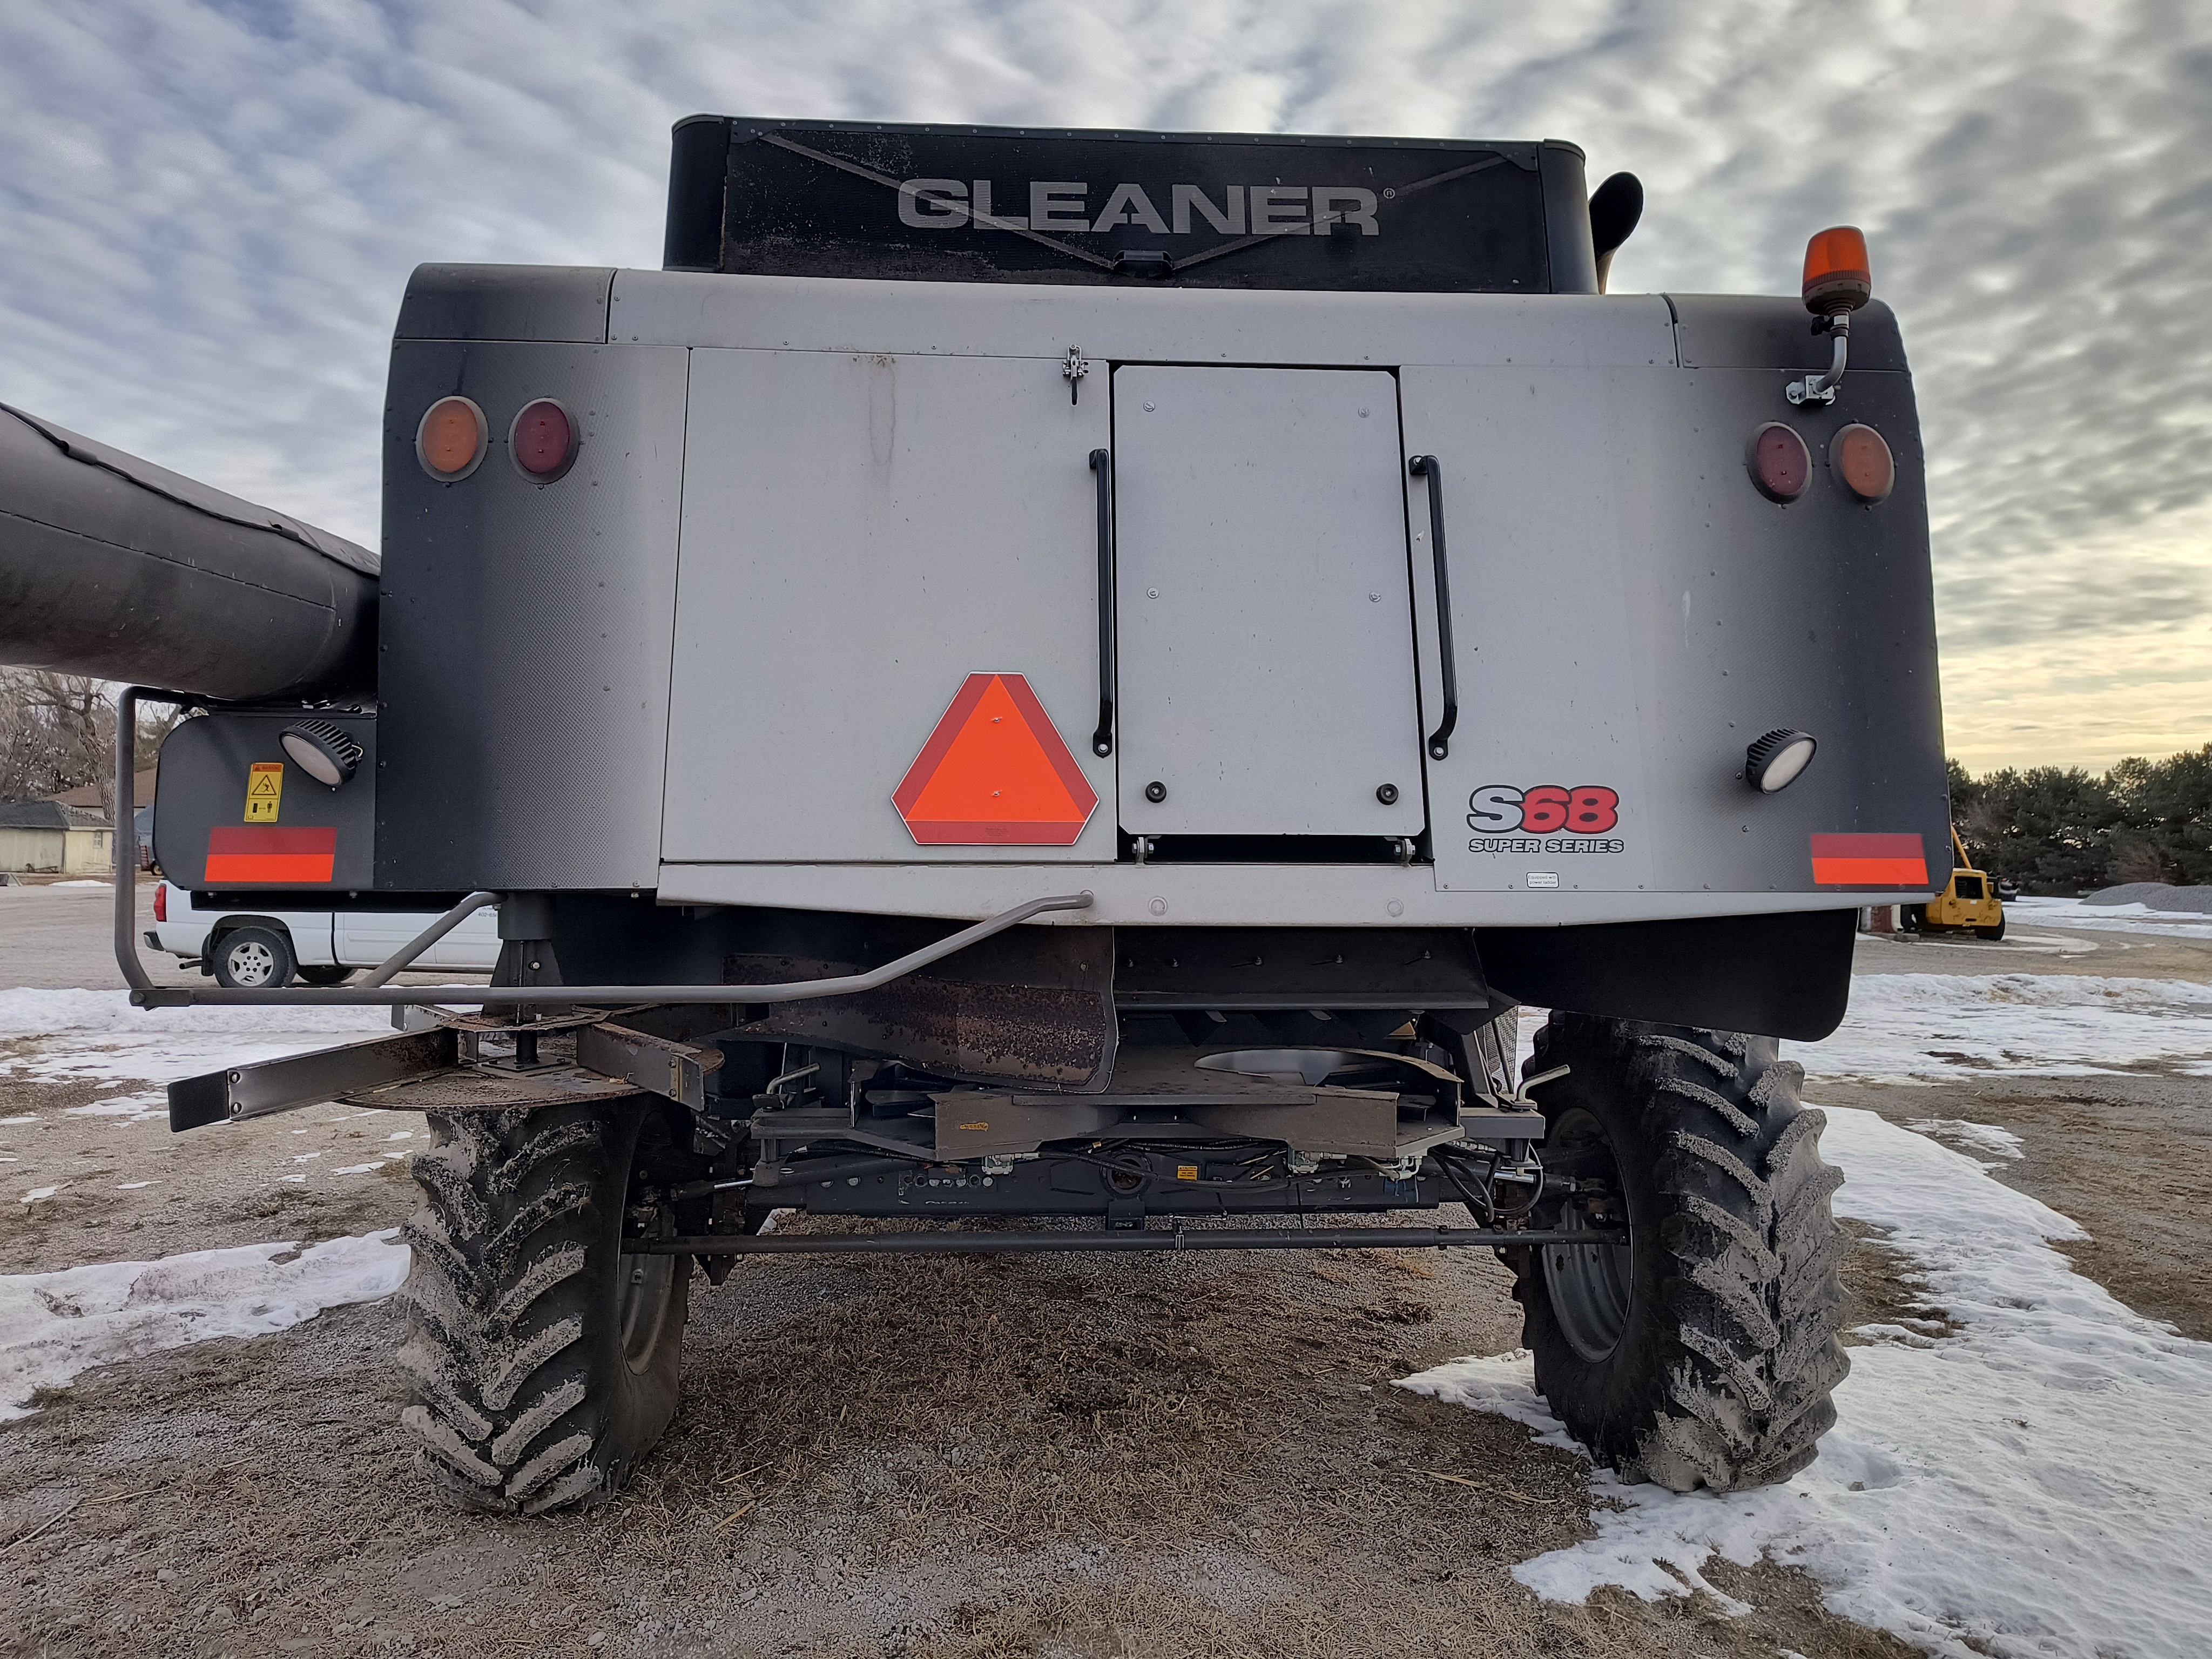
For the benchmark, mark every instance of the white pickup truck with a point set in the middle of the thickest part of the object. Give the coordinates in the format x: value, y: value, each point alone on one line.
x: 316, y: 947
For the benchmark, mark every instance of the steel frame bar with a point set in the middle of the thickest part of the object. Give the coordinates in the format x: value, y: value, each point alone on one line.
x: 1177, y: 1238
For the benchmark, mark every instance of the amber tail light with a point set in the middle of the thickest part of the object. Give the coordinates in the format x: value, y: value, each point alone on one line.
x: 451, y: 441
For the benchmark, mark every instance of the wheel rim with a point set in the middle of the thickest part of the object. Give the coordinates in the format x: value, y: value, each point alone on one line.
x: 251, y: 964
x: 641, y: 1301
x: 1590, y: 1284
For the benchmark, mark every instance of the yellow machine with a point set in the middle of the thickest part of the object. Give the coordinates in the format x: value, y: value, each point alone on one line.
x: 1969, y: 899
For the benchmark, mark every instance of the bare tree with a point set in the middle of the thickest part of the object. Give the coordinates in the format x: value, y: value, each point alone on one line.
x: 57, y: 733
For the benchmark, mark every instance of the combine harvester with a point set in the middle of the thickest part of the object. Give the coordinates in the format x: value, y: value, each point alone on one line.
x: 1079, y: 677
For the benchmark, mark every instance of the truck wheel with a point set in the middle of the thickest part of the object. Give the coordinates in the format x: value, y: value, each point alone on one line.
x: 329, y: 974
x: 1703, y: 1352
x: 1996, y: 932
x: 544, y: 1361
x: 254, y: 959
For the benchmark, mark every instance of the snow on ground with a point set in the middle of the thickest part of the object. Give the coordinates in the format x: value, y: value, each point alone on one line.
x: 97, y: 1035
x: 1927, y: 1027
x: 1970, y: 1137
x: 2110, y: 918
x: 54, y: 1325
x: 136, y: 1108
x: 2036, y: 1485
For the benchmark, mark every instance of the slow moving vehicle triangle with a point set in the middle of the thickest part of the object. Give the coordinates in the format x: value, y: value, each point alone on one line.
x: 995, y: 773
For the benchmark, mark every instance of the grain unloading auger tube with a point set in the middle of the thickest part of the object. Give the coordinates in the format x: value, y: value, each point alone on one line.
x: 117, y: 568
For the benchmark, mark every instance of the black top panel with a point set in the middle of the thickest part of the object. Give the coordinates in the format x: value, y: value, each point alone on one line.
x: 941, y: 203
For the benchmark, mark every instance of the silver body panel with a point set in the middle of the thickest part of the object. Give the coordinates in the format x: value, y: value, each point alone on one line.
x: 1266, y: 661
x: 807, y: 509
x: 1218, y: 896
x: 861, y: 532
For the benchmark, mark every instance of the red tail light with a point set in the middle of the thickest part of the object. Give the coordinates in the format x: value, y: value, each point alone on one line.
x: 161, y: 900
x: 1780, y: 464
x: 544, y: 440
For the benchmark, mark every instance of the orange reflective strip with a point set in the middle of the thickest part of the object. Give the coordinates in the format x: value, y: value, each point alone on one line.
x: 252, y: 856
x: 1869, y: 861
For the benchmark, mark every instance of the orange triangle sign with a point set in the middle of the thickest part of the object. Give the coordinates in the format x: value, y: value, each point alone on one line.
x: 994, y: 773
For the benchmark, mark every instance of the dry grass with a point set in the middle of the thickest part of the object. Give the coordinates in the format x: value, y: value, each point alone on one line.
x: 1003, y: 1403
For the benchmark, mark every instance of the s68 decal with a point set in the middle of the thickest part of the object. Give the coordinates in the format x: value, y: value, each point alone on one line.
x: 1550, y: 817
x: 1499, y: 809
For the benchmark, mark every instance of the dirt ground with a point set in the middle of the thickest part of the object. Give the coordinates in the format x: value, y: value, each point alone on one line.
x: 1064, y: 1456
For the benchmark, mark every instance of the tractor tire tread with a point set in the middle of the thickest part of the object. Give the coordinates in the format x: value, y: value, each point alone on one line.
x: 1750, y: 1271
x: 497, y: 1303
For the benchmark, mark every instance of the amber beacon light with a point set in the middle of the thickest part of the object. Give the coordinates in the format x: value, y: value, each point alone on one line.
x: 1839, y: 280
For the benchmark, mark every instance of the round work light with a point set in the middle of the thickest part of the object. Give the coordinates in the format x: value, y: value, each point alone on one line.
x: 325, y: 751
x: 1774, y: 760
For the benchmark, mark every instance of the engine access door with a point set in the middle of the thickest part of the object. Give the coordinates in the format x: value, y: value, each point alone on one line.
x: 1267, y: 678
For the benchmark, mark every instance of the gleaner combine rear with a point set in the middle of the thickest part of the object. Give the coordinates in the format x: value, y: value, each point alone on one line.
x: 1271, y: 568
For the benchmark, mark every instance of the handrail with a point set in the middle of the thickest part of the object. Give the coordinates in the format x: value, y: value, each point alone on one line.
x: 1102, y: 740
x: 1427, y: 466
x: 599, y: 996
x: 126, y: 840
x: 393, y: 965
x: 374, y: 993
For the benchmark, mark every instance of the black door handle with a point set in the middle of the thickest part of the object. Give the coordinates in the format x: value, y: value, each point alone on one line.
x: 1102, y: 740
x: 1426, y: 467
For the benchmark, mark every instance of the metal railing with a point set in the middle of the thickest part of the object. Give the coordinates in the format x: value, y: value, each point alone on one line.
x: 377, y: 992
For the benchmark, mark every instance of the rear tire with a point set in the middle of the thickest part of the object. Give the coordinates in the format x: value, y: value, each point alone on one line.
x: 545, y: 1363
x: 1703, y: 1352
x: 328, y: 975
x: 254, y: 959
x: 1995, y: 932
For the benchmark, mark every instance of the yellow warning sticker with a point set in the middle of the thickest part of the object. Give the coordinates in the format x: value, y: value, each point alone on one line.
x: 1186, y: 1172
x: 265, y: 789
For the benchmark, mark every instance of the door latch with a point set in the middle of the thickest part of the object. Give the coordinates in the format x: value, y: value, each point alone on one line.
x: 1074, y: 369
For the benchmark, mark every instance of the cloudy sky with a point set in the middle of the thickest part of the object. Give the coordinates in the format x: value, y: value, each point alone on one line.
x: 207, y: 212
